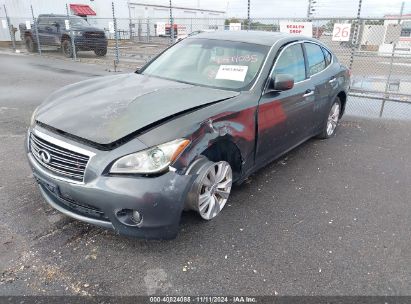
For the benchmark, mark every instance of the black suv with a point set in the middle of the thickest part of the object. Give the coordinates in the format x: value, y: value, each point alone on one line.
x: 52, y: 31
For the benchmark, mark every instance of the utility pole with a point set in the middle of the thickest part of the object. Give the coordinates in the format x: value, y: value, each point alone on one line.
x: 309, y: 9
x: 248, y: 15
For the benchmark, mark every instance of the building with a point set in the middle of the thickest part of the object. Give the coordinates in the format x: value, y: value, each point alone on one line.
x: 139, y: 15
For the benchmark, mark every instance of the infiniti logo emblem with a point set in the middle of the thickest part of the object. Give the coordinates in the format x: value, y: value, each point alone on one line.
x: 45, y: 156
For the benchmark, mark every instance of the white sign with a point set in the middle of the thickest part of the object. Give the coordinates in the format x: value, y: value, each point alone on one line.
x: 111, y: 27
x: 28, y: 25
x: 297, y: 28
x: 232, y: 72
x: 4, y: 23
x: 161, y: 28
x: 67, y: 24
x: 235, y: 26
x: 341, y: 32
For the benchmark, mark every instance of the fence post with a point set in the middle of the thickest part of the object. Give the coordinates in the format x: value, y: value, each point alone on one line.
x: 171, y: 25
x: 115, y: 33
x: 73, y: 45
x: 13, y: 42
x: 139, y: 30
x: 130, y: 24
x: 355, y: 34
x: 248, y: 15
x: 36, y: 30
x: 148, y: 29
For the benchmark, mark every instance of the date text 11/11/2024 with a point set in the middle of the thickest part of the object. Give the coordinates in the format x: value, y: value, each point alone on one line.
x: 203, y: 299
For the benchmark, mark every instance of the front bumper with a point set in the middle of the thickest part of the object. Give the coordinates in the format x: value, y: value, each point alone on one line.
x: 102, y: 200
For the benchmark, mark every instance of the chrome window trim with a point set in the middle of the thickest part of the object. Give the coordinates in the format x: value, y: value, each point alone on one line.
x: 288, y: 45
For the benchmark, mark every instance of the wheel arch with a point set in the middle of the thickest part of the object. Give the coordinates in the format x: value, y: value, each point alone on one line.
x: 225, y: 149
x: 342, y: 95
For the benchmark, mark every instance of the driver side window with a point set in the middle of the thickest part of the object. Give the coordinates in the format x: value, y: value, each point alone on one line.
x: 291, y: 62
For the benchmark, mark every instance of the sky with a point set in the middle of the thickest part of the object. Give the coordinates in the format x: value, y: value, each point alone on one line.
x: 298, y: 8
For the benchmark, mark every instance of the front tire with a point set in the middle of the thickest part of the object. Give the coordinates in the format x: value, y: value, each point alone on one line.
x: 211, y: 189
x: 100, y: 52
x: 331, y: 123
x: 30, y: 45
x: 67, y: 48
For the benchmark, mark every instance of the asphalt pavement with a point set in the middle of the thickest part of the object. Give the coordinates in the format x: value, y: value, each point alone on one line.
x: 330, y: 218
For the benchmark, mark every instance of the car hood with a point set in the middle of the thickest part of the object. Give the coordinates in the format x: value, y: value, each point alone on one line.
x: 107, y: 109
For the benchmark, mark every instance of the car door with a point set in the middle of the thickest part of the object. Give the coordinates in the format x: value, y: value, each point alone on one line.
x: 285, y: 117
x: 321, y: 78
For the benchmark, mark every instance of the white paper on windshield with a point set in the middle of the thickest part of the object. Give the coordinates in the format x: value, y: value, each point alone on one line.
x: 67, y: 24
x: 4, y: 23
x: 28, y: 25
x: 232, y: 72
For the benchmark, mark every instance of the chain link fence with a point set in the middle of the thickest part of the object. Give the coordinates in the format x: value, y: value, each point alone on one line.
x: 378, y: 51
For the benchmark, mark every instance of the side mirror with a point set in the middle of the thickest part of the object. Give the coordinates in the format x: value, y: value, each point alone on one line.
x: 281, y: 82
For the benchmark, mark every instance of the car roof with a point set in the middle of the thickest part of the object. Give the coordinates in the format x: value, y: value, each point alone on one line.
x: 255, y: 37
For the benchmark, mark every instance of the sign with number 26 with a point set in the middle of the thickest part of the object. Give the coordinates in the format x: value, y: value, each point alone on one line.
x: 341, y: 32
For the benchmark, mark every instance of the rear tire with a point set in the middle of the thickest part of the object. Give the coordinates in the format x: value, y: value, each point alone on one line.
x: 67, y: 48
x: 100, y: 52
x: 331, y: 123
x: 30, y: 45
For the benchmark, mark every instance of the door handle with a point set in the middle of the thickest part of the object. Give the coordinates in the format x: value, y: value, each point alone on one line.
x: 332, y: 80
x: 308, y: 93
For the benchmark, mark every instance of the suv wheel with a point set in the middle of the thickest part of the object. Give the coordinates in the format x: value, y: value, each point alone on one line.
x: 332, y: 120
x: 212, y: 187
x: 30, y: 46
x: 100, y: 52
x: 67, y: 48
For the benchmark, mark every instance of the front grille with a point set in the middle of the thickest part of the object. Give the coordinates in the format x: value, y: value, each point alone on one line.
x: 60, y: 161
x: 94, y: 35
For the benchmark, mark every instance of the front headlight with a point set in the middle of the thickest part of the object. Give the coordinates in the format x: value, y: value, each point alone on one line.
x: 152, y: 160
x: 77, y: 33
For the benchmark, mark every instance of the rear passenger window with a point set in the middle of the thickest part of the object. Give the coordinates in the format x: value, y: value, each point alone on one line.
x: 291, y: 61
x: 327, y: 56
x: 315, y: 56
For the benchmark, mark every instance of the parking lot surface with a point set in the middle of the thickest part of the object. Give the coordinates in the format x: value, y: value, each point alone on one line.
x: 329, y: 218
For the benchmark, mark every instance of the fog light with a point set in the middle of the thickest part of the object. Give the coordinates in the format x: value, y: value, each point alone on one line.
x: 136, y: 217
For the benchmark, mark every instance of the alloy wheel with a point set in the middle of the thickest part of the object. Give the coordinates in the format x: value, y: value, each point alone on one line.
x: 214, y: 189
x: 333, y: 118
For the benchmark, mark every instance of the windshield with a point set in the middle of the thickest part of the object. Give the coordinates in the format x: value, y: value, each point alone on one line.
x: 78, y: 21
x: 215, y: 63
